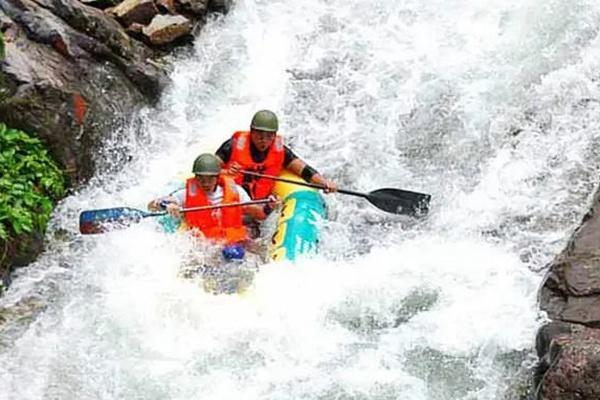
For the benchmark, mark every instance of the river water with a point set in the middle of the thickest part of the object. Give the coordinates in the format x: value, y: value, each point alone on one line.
x: 490, y: 106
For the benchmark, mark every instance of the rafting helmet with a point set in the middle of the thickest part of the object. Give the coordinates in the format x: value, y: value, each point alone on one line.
x: 265, y: 120
x: 206, y: 164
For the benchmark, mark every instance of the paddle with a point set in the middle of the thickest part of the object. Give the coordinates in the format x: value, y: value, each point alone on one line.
x: 395, y: 201
x: 103, y: 220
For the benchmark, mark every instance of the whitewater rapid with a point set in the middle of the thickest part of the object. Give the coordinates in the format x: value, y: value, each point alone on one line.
x: 492, y: 107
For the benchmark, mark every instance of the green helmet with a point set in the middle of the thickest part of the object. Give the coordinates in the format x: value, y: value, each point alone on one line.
x: 265, y: 120
x: 207, y: 164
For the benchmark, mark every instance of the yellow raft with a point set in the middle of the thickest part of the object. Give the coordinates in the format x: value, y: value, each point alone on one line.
x: 297, y: 229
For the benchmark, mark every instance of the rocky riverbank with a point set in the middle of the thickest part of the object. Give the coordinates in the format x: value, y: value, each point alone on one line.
x: 66, y: 61
x: 569, y: 345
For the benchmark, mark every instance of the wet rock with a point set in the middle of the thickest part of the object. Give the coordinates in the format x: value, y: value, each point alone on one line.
x: 135, y: 11
x: 197, y: 7
x: 569, y: 346
x: 20, y: 251
x: 545, y: 335
x: 584, y: 310
x: 553, y: 302
x: 582, y: 276
x: 573, y: 280
x: 167, y: 6
x: 65, y: 64
x: 220, y: 5
x: 166, y: 28
x: 100, y: 3
x: 136, y: 31
x: 571, y: 355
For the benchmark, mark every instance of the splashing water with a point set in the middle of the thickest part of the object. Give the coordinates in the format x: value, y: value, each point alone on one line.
x: 493, y: 108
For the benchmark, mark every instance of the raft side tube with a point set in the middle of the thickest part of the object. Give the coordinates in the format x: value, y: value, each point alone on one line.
x: 297, y: 229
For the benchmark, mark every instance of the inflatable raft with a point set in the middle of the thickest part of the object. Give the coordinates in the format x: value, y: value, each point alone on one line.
x: 297, y: 225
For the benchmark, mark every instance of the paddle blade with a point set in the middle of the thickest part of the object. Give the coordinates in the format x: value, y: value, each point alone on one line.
x: 104, y: 220
x: 397, y: 201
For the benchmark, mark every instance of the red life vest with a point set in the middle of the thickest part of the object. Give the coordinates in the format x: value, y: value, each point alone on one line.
x: 259, y: 188
x: 219, y: 224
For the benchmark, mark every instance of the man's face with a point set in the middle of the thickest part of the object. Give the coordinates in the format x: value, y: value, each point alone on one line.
x: 207, y: 183
x: 262, y: 140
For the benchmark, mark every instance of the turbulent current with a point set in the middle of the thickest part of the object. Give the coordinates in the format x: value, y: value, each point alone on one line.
x: 492, y: 107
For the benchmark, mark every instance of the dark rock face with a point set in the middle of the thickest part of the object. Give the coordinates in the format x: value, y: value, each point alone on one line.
x: 569, y: 346
x: 21, y: 251
x: 65, y: 65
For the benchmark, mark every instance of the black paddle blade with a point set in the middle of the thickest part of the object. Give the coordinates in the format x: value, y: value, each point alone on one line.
x: 397, y: 201
x: 104, y: 220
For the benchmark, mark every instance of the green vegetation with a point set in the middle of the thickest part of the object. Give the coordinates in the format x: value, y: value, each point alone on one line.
x: 30, y: 181
x: 1, y: 46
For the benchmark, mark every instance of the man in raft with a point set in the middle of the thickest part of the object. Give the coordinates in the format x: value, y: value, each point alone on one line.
x: 209, y: 187
x: 261, y: 150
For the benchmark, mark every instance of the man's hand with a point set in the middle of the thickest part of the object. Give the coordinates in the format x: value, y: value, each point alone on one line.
x: 235, y: 168
x: 260, y: 211
x: 160, y: 203
x: 274, y: 201
x: 173, y: 210
x: 330, y: 186
x: 154, y: 205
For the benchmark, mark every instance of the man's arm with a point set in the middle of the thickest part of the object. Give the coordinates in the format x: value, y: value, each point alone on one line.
x: 289, y: 156
x: 256, y: 211
x: 244, y: 196
x: 224, y: 152
x: 309, y: 174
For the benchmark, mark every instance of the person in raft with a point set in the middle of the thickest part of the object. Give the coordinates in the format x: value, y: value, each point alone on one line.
x: 262, y: 150
x: 210, y: 187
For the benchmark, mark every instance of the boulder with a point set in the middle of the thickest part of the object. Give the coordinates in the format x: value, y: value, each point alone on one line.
x: 571, y: 288
x: 569, y: 346
x: 195, y: 7
x: 570, y: 362
x: 165, y: 29
x: 134, y: 11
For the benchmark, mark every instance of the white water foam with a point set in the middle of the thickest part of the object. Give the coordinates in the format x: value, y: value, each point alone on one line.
x: 490, y: 107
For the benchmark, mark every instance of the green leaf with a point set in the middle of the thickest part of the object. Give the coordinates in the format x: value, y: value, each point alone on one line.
x: 29, y: 182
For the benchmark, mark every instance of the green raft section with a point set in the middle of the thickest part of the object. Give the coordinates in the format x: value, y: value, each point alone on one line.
x: 297, y: 229
x: 297, y: 226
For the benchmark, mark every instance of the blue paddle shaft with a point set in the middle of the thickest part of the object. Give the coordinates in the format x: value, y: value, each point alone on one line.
x: 97, y: 221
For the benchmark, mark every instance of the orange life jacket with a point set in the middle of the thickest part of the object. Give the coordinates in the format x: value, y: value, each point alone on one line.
x: 219, y: 224
x: 258, y: 188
